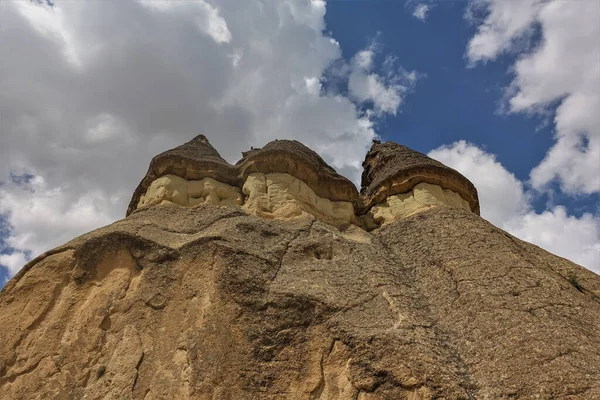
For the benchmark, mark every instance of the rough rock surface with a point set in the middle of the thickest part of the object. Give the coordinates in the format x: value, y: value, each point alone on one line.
x: 281, y: 196
x: 294, y: 158
x: 391, y: 168
x: 421, y: 197
x: 190, y: 193
x: 210, y: 301
x: 285, y: 179
x: 194, y: 160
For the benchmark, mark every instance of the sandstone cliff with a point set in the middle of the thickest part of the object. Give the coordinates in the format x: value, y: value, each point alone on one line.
x: 275, y: 279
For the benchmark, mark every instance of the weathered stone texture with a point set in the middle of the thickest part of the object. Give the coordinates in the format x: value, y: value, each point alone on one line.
x: 285, y: 178
x: 390, y: 168
x: 207, y: 302
x: 194, y: 160
x: 272, y: 300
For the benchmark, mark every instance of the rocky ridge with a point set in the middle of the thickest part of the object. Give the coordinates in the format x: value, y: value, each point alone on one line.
x: 286, y: 178
x: 275, y: 279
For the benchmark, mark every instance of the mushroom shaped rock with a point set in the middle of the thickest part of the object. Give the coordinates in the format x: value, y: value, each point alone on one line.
x: 196, y: 161
x: 286, y: 178
x: 406, y: 181
x: 294, y: 158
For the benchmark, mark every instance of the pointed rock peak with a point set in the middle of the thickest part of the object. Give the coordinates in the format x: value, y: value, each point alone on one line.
x: 200, y: 139
x: 198, y: 148
x: 193, y: 160
x: 391, y: 168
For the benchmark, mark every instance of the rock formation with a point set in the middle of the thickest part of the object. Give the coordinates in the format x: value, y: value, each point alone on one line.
x: 275, y: 279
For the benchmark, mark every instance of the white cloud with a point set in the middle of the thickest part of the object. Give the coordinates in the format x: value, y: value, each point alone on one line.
x: 563, y: 69
x: 364, y: 59
x: 104, y: 127
x: 385, y: 91
x: 506, y: 204
x: 50, y: 23
x: 501, y: 194
x: 206, y: 16
x: 420, y: 11
x: 577, y: 239
x: 13, y: 262
x: 506, y: 22
x: 92, y: 90
x: 44, y: 217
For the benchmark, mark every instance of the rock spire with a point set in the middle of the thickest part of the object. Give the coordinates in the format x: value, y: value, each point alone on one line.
x: 417, y: 182
x: 390, y: 168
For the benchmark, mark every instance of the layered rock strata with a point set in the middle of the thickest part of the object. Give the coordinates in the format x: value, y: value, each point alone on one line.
x: 390, y: 169
x: 174, y: 189
x: 280, y: 195
x: 194, y: 160
x: 285, y: 179
x: 293, y: 158
x: 421, y: 197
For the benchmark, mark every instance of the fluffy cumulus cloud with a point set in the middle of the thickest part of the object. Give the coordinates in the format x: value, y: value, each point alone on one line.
x: 92, y: 90
x: 420, y: 11
x: 562, y: 71
x: 384, y: 91
x: 13, y: 261
x: 507, y: 204
x: 45, y: 216
x: 501, y: 194
x: 574, y: 238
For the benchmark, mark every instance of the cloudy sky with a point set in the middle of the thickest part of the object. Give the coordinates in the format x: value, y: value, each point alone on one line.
x: 507, y: 92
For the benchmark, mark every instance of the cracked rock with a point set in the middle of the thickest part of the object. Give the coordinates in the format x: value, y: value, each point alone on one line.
x: 288, y: 297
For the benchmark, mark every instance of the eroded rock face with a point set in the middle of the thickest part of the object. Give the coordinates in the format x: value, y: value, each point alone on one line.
x: 293, y: 158
x: 208, y: 302
x: 286, y: 179
x: 421, y: 197
x: 282, y: 196
x: 174, y: 189
x: 390, y: 169
x: 255, y: 282
x: 194, y: 160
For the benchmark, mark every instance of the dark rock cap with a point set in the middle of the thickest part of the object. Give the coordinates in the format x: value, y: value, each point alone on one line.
x: 390, y: 168
x: 194, y: 160
x: 294, y: 158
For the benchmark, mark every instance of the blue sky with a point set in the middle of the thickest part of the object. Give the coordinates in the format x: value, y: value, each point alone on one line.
x: 505, y: 92
x: 451, y: 101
